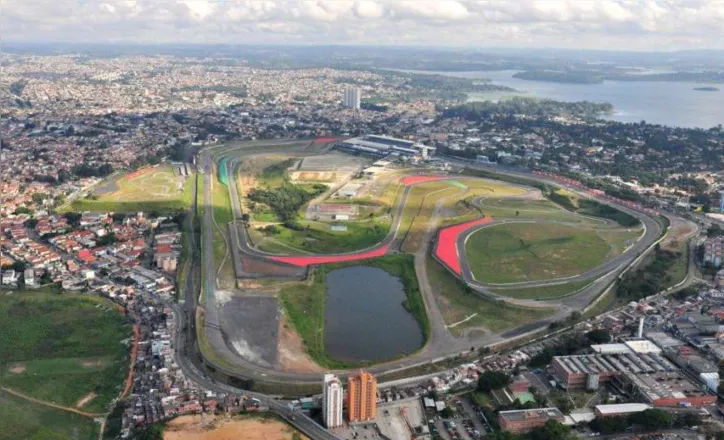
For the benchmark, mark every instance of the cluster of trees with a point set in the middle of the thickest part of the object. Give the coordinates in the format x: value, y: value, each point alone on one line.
x: 592, y: 208
x: 85, y: 170
x: 714, y: 231
x: 480, y: 110
x: 599, y: 336
x: 650, y: 279
x: 595, y: 209
x: 107, y: 239
x: 622, y: 193
x: 649, y: 420
x: 569, y: 344
x: 493, y: 380
x: 286, y: 200
x: 17, y: 87
x: 176, y: 152
x: 552, y: 430
x: 374, y: 107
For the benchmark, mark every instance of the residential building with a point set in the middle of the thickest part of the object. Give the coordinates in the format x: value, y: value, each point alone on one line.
x: 361, y: 397
x: 332, y: 398
x: 10, y: 278
x: 29, y: 277
x: 352, y: 97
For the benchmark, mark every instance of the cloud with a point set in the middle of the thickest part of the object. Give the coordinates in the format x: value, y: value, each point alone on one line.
x: 632, y: 24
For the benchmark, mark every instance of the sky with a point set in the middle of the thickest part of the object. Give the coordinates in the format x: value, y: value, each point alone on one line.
x: 639, y: 25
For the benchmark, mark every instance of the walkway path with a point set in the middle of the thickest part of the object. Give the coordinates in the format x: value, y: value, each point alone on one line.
x: 50, y: 404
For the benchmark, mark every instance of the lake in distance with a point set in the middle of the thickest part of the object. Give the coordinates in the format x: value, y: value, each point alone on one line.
x: 666, y: 103
x: 365, y: 320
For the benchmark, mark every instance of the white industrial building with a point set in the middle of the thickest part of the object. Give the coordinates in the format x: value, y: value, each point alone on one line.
x: 332, y: 398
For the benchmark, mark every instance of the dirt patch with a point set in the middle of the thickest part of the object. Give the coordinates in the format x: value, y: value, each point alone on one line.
x: 680, y: 230
x: 292, y: 356
x: 313, y: 176
x: 87, y: 398
x: 17, y: 369
x: 226, y: 428
x: 92, y: 363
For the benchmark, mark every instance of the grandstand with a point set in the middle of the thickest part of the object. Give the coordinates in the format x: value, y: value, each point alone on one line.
x: 384, y: 146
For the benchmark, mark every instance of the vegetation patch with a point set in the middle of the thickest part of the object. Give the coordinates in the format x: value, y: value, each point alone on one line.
x: 544, y: 292
x: 657, y: 275
x: 515, y: 252
x: 305, y: 303
x: 69, y: 346
x: 22, y: 419
x: 591, y: 208
x: 463, y: 309
x: 159, y: 189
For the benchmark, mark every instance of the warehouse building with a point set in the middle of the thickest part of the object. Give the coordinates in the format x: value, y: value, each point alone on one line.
x: 647, y: 375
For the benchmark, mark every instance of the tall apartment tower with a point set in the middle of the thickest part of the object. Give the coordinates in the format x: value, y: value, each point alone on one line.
x: 362, y: 397
x: 332, y: 398
x: 352, y: 97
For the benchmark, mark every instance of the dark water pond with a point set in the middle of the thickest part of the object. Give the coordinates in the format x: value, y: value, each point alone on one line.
x: 365, y: 319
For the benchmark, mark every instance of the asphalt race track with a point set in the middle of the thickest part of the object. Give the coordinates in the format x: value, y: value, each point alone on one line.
x: 449, y: 249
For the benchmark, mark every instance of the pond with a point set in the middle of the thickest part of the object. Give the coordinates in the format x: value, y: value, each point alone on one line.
x: 365, y: 316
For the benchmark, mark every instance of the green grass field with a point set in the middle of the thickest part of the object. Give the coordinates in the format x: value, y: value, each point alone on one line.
x: 304, y: 303
x: 20, y: 419
x: 457, y: 303
x: 543, y: 293
x: 61, y: 348
x: 157, y: 189
x: 516, y: 252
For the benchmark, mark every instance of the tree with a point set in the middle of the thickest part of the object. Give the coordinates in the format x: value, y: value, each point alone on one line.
x: 599, y: 336
x: 562, y: 401
x: 552, y: 430
x: 653, y: 419
x: 493, y: 380
x: 610, y: 425
x: 73, y: 218
x: 153, y: 432
x: 39, y: 197
x: 118, y: 217
x: 503, y: 435
x: 447, y: 413
x: 107, y: 239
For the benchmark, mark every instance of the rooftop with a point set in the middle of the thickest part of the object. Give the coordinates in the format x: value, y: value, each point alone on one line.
x: 531, y: 414
x: 622, y: 408
x: 643, y: 347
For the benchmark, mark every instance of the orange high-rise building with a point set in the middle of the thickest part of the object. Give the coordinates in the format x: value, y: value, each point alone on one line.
x: 362, y: 397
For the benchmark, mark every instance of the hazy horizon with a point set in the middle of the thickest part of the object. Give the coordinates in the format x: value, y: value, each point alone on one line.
x: 613, y: 25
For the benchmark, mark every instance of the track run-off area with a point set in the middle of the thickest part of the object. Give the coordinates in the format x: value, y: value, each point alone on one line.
x: 452, y: 208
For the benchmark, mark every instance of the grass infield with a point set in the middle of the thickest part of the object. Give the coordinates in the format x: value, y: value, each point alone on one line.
x: 514, y: 252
